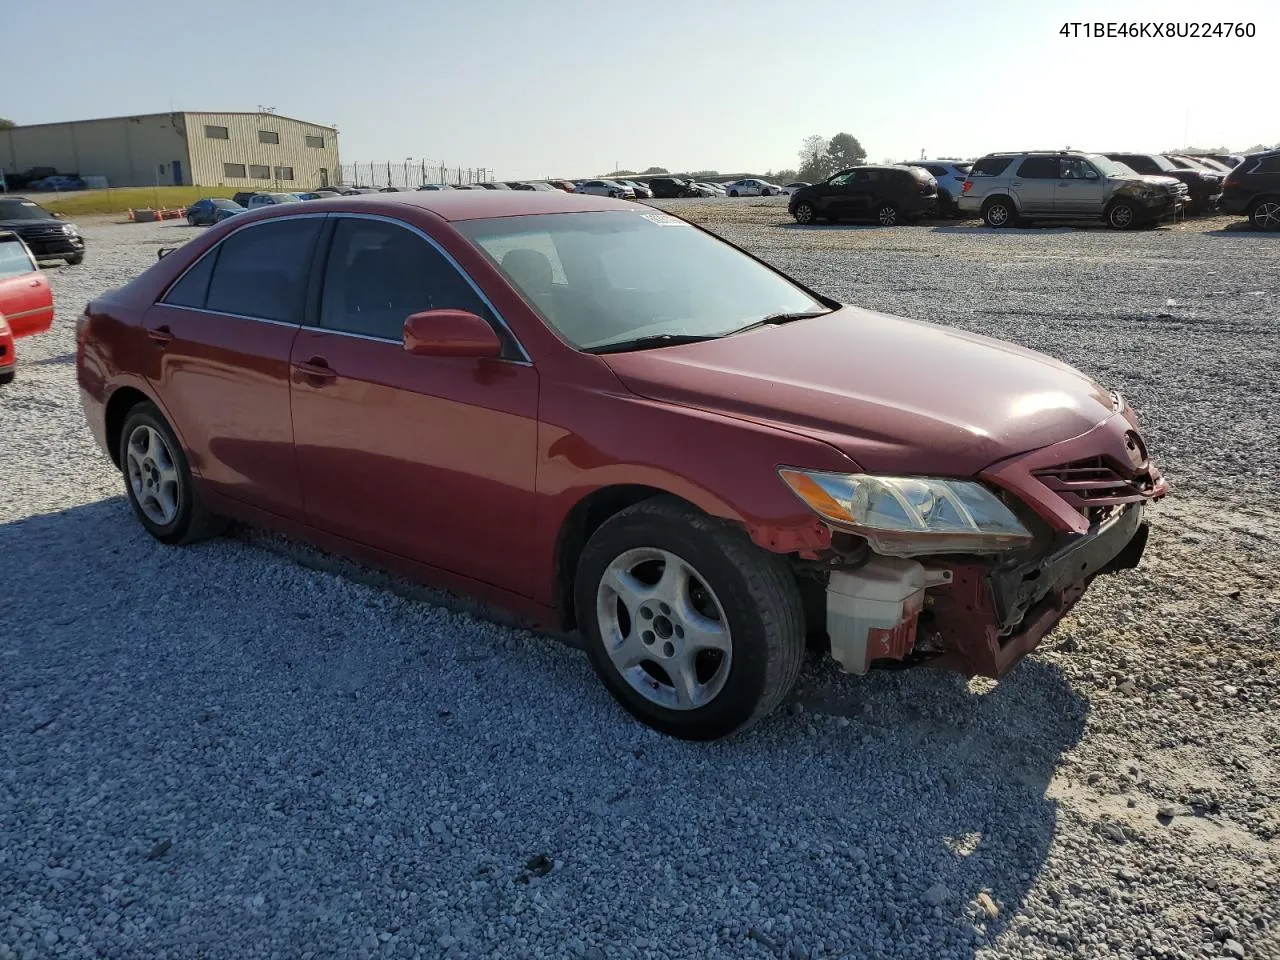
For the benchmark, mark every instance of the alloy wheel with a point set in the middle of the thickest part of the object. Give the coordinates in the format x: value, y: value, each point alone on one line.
x: 153, y: 477
x: 1266, y: 215
x: 664, y: 629
x: 1122, y: 216
x: 804, y: 214
x: 887, y: 215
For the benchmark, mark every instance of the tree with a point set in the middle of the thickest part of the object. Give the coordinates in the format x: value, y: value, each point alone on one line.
x: 813, y: 158
x: 656, y: 171
x: 844, y: 151
x: 787, y: 176
x: 1256, y: 148
x: 6, y: 124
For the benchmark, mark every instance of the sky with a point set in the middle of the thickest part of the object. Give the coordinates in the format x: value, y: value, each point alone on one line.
x: 577, y: 89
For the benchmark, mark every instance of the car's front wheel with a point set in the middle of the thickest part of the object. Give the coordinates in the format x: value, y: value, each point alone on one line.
x: 7, y: 377
x: 158, y: 480
x: 694, y: 629
x: 804, y: 213
x: 1123, y: 215
x: 733, y: 193
x: 1265, y: 215
x: 75, y: 260
x: 766, y: 192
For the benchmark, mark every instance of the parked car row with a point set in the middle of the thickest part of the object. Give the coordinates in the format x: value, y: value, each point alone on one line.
x: 1124, y: 190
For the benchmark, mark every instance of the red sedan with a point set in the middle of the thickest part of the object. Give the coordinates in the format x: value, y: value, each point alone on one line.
x: 26, y: 300
x: 600, y: 416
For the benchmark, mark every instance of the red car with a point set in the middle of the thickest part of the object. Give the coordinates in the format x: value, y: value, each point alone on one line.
x: 26, y: 300
x: 600, y: 416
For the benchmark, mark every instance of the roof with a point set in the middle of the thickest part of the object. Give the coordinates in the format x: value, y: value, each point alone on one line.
x: 473, y: 204
x: 171, y: 113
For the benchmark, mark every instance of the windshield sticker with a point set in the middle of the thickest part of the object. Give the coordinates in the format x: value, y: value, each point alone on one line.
x: 663, y: 219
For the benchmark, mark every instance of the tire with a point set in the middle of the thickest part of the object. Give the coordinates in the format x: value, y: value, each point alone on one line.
x: 1122, y: 215
x: 157, y: 480
x: 741, y: 600
x: 766, y: 192
x: 1264, y: 214
x: 76, y: 260
x: 805, y: 214
x: 7, y: 377
x: 999, y: 212
x: 887, y: 214
x: 733, y: 193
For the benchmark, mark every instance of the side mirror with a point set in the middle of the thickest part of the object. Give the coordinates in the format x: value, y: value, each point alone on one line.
x: 450, y: 333
x: 1091, y: 174
x: 59, y: 216
x: 164, y: 252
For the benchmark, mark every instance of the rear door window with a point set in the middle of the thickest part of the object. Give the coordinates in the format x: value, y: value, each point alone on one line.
x: 1039, y: 168
x: 1268, y: 165
x: 261, y: 270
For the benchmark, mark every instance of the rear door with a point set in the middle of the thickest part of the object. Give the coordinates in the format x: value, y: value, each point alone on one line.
x: 26, y: 300
x: 219, y: 343
x: 1034, y: 184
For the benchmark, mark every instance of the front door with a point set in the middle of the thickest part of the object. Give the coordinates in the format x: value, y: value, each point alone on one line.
x: 217, y: 353
x: 26, y: 300
x: 1034, y: 184
x: 1080, y: 192
x: 429, y: 458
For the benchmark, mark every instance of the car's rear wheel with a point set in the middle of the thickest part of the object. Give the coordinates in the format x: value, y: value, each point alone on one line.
x: 1122, y: 215
x: 7, y: 377
x: 1265, y: 214
x: 693, y: 629
x: 999, y: 212
x: 158, y: 480
x: 887, y: 214
x: 805, y: 214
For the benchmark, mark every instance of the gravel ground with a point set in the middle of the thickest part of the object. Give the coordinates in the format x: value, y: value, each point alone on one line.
x: 235, y: 750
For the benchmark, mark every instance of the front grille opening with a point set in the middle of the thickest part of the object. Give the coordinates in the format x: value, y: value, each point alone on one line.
x: 1096, y: 487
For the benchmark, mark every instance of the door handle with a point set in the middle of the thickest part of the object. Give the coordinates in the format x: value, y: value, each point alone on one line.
x: 34, y: 283
x: 160, y: 335
x: 317, y: 368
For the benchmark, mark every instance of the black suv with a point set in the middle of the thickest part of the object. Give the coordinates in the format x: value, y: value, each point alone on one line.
x: 667, y: 188
x: 1253, y: 187
x: 1204, y: 186
x: 889, y: 195
x: 47, y: 234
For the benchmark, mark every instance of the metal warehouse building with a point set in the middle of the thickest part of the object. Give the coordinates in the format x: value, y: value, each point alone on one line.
x: 251, y: 150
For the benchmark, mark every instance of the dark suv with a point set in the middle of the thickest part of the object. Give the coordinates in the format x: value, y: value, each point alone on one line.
x: 1253, y: 187
x: 47, y: 234
x: 667, y: 188
x: 889, y: 195
x: 1204, y: 186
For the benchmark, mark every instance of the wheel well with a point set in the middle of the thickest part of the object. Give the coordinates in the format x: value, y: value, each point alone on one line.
x: 118, y: 407
x: 999, y: 196
x: 587, y: 516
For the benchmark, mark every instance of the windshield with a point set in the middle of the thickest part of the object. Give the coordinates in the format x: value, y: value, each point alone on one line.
x: 963, y: 167
x: 1108, y: 167
x: 606, y: 277
x: 18, y: 209
x: 14, y: 259
x: 226, y: 204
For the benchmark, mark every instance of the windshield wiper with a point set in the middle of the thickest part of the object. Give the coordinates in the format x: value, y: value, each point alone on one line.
x: 776, y: 318
x: 646, y: 343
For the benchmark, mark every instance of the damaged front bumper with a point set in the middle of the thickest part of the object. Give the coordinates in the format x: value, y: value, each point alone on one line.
x: 981, y: 615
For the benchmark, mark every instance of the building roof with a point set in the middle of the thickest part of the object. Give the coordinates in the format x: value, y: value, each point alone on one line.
x: 171, y: 113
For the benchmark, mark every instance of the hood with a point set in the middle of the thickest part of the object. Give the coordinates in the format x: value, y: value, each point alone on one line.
x: 1159, y: 179
x: 17, y: 226
x: 895, y: 395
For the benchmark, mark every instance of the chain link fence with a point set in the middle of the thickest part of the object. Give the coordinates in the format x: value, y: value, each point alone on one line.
x: 409, y: 174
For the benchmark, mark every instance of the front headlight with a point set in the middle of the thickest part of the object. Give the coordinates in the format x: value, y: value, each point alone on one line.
x: 70, y: 229
x: 910, y: 516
